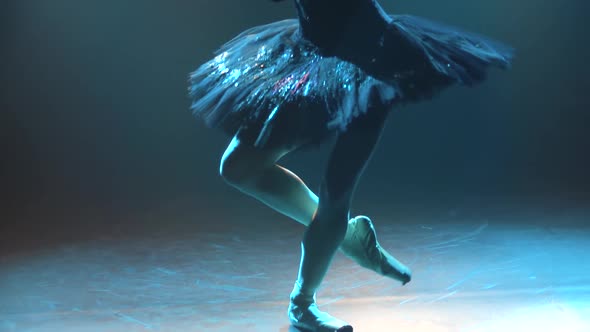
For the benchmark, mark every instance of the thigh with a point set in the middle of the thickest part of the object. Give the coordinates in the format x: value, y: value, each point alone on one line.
x: 242, y: 156
x: 349, y: 156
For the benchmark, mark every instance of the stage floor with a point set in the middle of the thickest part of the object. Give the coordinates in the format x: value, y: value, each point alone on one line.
x: 469, y: 275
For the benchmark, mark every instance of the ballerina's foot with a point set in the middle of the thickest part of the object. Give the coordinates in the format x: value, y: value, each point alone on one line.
x: 309, y: 317
x: 375, y: 257
x: 396, y: 270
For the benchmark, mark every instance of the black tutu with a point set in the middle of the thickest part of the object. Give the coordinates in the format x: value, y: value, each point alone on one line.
x: 277, y: 84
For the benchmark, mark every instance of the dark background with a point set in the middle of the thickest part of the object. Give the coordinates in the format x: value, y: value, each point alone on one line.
x: 97, y: 137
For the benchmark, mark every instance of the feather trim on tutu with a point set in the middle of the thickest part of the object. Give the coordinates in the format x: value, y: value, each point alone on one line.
x: 461, y: 55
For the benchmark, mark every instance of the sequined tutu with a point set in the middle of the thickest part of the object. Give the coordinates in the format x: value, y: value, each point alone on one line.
x: 274, y: 86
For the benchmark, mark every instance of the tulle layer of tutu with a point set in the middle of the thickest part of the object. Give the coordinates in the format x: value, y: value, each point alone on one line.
x: 272, y: 83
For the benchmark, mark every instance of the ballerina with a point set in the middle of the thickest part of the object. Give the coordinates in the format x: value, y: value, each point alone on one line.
x: 333, y: 74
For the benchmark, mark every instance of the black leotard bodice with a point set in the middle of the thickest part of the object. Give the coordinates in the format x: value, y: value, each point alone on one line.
x: 359, y: 31
x: 330, y: 24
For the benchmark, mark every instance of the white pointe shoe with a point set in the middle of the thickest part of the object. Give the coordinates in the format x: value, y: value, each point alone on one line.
x: 360, y: 244
x: 304, y: 314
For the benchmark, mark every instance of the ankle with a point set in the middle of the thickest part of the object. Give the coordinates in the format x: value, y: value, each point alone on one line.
x: 300, y: 297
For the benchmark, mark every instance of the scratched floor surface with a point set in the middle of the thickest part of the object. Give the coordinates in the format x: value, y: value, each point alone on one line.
x: 470, y: 275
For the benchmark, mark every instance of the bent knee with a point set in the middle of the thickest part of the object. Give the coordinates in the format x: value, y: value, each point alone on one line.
x: 234, y: 171
x: 336, y: 196
x: 240, y: 166
x: 243, y: 164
